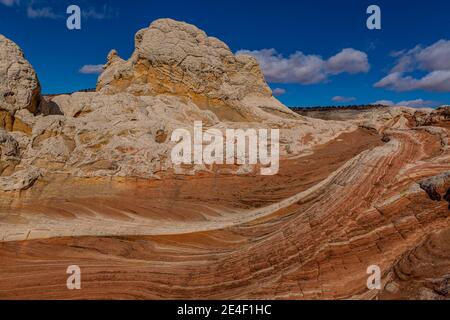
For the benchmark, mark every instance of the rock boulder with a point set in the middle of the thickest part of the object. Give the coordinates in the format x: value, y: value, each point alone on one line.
x: 19, y: 85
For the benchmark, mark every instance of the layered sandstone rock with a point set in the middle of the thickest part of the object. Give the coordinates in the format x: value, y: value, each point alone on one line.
x: 422, y: 273
x: 87, y: 180
x: 19, y: 85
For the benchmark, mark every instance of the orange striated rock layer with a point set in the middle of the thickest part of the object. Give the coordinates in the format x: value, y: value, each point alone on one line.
x: 309, y: 232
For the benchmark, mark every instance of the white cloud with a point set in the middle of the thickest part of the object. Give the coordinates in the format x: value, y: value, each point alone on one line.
x: 278, y: 91
x: 10, y: 3
x: 435, y: 60
x: 348, y: 60
x: 417, y: 103
x: 91, y: 69
x: 99, y: 13
x: 308, y: 69
x: 432, y: 58
x: 343, y: 99
x: 104, y: 13
x: 93, y: 13
x: 44, y: 12
x: 437, y: 81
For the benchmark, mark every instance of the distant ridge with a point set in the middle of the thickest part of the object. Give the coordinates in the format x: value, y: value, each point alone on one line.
x: 350, y: 107
x: 59, y: 94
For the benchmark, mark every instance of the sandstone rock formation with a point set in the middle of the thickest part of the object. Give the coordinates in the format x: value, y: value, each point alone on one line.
x: 19, y: 86
x: 422, y: 273
x: 116, y: 131
x: 177, y: 58
x: 87, y: 180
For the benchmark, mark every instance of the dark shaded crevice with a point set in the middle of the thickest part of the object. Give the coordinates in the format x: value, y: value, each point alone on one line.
x: 430, y: 189
x: 447, y: 197
x: 385, y: 138
x: 48, y: 107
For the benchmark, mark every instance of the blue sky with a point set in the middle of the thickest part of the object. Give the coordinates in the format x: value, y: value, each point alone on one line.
x: 313, y: 52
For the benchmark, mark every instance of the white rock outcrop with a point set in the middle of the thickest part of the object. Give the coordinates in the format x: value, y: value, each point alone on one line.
x: 19, y: 85
x: 177, y: 75
x: 173, y: 57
